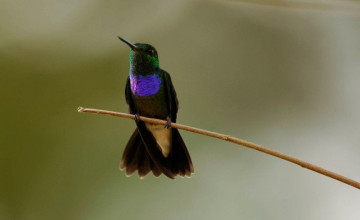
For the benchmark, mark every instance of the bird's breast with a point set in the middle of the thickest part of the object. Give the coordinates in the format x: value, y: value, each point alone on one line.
x: 145, y: 85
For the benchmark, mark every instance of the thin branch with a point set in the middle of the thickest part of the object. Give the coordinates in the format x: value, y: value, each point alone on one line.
x: 233, y: 140
x: 341, y: 6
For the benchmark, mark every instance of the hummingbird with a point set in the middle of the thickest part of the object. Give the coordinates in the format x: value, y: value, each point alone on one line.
x: 149, y: 92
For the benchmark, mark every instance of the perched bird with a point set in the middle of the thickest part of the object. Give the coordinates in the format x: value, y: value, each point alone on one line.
x: 150, y: 92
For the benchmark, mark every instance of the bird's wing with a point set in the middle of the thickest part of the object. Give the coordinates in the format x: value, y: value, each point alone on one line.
x: 171, y: 96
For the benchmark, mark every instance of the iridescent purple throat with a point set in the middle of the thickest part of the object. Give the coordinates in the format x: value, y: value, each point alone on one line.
x: 145, y: 85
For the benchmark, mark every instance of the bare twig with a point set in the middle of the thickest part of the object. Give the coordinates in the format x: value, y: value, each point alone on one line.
x: 233, y: 140
x: 341, y: 6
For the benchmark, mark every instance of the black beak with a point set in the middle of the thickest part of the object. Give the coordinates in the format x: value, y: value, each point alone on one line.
x: 131, y: 45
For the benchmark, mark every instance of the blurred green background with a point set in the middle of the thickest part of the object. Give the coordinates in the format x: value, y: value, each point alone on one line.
x: 281, y: 74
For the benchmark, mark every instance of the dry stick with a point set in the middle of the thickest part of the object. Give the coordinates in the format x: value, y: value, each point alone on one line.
x: 233, y: 140
x: 299, y: 5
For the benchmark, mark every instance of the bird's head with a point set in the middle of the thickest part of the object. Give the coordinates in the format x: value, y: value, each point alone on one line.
x: 143, y: 58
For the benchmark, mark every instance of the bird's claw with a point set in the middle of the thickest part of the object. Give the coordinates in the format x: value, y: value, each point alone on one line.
x: 168, y: 122
x: 136, y: 118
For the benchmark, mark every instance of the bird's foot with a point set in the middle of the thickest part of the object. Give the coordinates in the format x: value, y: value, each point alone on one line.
x: 136, y: 118
x: 168, y: 122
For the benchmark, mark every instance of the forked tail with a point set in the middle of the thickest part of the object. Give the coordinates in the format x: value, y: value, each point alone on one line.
x: 142, y: 153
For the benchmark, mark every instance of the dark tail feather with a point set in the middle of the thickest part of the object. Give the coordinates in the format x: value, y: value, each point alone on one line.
x: 146, y: 158
x: 154, y: 152
x: 144, y: 164
x: 179, y: 157
x: 136, y: 157
x: 129, y: 153
x: 156, y: 171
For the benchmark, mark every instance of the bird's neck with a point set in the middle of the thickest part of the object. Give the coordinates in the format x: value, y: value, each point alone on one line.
x: 140, y: 65
x: 142, y: 70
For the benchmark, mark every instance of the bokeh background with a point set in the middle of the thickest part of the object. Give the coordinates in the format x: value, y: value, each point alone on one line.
x: 284, y: 74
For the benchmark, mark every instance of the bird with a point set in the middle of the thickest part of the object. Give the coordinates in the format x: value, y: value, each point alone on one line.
x: 149, y: 92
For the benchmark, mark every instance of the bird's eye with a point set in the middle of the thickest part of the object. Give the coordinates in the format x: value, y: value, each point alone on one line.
x: 151, y: 52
